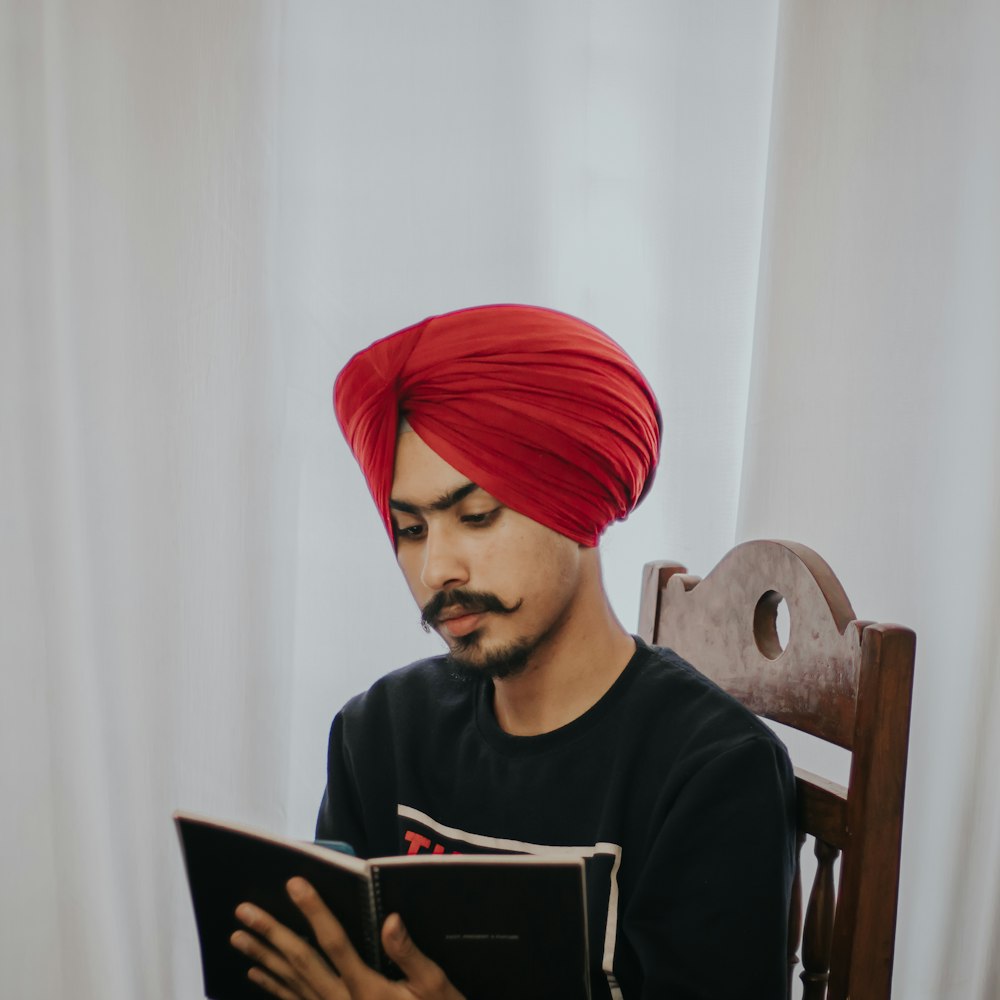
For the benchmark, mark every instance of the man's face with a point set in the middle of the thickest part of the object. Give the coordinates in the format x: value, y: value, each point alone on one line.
x: 494, y: 584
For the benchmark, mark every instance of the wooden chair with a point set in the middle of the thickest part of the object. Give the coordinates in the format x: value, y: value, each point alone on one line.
x: 845, y: 681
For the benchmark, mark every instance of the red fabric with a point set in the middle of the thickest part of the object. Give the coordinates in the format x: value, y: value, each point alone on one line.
x: 540, y: 409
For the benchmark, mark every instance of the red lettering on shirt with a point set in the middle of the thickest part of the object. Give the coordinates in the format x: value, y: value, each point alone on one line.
x: 416, y: 841
x: 418, y: 844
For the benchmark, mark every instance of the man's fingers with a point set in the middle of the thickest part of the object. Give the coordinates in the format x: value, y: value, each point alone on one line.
x: 330, y: 935
x: 268, y: 982
x: 425, y: 978
x: 257, y: 951
x: 289, y: 961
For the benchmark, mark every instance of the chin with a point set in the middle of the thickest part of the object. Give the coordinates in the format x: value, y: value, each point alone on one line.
x: 467, y: 657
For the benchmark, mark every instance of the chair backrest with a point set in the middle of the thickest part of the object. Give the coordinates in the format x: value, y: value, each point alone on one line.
x: 845, y: 681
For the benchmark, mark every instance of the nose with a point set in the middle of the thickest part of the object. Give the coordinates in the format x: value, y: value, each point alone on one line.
x: 444, y: 566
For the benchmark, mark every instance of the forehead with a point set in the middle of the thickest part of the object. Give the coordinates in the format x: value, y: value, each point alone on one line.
x: 420, y: 475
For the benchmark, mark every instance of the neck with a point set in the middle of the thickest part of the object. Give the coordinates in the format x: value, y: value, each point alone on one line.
x: 568, y: 674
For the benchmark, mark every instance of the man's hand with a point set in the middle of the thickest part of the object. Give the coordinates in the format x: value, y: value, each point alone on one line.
x: 292, y: 969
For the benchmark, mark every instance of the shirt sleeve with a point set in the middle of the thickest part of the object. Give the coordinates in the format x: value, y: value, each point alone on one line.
x: 709, y: 921
x: 340, y: 811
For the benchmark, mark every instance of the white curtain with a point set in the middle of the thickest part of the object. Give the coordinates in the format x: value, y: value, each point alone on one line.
x: 873, y: 432
x: 787, y: 214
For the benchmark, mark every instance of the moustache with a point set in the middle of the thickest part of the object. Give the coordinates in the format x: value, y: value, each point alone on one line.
x: 473, y: 601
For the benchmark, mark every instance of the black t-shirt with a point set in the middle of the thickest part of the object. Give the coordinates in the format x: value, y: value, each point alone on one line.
x: 680, y: 800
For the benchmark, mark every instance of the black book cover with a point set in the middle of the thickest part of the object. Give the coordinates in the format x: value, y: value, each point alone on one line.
x: 227, y: 865
x: 501, y: 926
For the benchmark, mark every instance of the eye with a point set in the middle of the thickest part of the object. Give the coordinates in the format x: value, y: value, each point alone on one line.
x: 409, y: 532
x: 481, y: 520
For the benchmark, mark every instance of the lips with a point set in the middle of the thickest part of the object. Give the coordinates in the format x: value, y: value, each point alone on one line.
x: 460, y: 622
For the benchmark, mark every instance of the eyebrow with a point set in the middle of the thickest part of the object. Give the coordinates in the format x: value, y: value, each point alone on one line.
x: 443, y: 502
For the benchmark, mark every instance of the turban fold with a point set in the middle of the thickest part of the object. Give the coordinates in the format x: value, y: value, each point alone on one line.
x: 539, y: 409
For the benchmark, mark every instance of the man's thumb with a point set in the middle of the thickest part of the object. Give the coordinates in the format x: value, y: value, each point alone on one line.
x: 423, y: 975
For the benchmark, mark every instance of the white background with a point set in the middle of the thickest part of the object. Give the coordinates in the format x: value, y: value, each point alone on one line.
x: 789, y: 214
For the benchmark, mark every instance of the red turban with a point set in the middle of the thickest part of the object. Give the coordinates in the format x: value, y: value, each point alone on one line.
x: 540, y: 409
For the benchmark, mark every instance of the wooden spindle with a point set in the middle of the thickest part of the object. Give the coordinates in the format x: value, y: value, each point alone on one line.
x: 795, y: 911
x: 817, y: 935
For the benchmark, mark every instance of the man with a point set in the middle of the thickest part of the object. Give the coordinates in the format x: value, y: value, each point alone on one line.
x: 498, y: 444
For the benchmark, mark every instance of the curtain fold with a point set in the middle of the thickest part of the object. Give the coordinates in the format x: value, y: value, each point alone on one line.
x: 873, y: 431
x: 148, y: 525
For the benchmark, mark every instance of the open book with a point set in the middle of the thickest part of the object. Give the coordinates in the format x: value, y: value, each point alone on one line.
x: 502, y: 926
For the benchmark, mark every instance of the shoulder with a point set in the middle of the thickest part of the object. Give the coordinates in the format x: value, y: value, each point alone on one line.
x: 697, y: 718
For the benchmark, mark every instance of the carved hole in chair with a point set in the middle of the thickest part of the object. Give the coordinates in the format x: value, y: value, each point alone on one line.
x: 771, y: 624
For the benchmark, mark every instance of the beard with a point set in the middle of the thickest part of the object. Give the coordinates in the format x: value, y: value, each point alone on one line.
x: 466, y: 659
x: 507, y: 661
